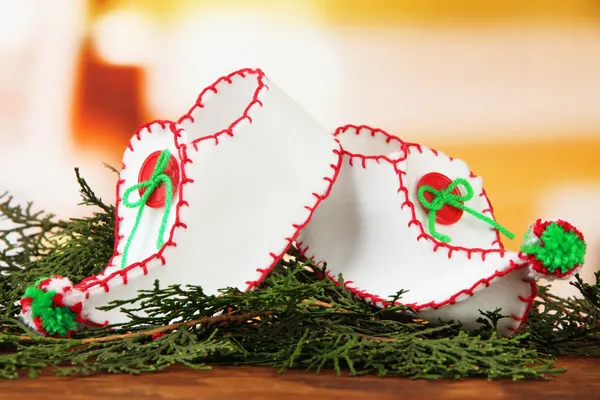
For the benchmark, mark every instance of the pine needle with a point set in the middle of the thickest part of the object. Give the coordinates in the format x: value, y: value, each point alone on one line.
x: 296, y: 319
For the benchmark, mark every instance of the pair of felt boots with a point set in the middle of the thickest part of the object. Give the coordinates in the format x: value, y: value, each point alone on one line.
x: 217, y: 198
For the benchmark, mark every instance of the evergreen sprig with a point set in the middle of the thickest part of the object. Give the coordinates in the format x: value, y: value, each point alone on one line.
x: 37, y: 245
x: 569, y: 326
x: 296, y: 319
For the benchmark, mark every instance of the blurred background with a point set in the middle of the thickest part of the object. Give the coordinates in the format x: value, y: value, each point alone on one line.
x: 512, y: 87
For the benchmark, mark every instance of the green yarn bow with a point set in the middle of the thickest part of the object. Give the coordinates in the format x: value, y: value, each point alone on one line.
x: 158, y: 178
x: 445, y: 197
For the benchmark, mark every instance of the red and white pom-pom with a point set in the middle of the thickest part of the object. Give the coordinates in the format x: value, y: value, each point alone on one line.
x: 62, y: 296
x: 553, y: 249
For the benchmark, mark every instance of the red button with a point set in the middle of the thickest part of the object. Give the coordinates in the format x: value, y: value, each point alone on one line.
x: 448, y: 214
x: 158, y: 198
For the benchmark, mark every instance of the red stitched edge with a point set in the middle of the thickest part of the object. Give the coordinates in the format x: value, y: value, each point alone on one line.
x: 299, y: 227
x: 528, y: 305
x: 404, y: 147
x: 488, y: 210
x: 93, y: 281
x: 58, y: 301
x: 260, y: 77
x: 373, y: 131
x: 424, y: 235
x: 362, y: 294
x: 90, y: 282
x: 374, y: 299
x: 452, y: 300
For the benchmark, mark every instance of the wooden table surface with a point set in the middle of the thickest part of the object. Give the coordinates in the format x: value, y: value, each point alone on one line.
x: 582, y: 381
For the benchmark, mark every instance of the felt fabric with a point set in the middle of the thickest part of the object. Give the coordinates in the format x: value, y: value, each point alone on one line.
x: 252, y: 173
x: 233, y: 215
x: 373, y: 231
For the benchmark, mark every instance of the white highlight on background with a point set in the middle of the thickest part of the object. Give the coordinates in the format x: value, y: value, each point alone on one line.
x: 37, y: 157
x: 126, y: 38
x: 17, y: 24
x: 292, y: 48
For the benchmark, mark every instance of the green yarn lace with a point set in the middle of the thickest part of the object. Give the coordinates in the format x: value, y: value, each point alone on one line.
x: 557, y: 249
x: 445, y: 197
x: 55, y: 320
x: 157, y: 178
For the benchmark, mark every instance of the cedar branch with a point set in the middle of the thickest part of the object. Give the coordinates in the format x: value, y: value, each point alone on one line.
x: 172, y: 327
x: 227, y: 318
x: 206, y: 321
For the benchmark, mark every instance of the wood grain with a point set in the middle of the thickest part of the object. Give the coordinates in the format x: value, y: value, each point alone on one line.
x: 582, y: 381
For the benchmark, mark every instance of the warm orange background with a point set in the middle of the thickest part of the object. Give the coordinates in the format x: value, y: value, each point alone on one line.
x: 512, y: 87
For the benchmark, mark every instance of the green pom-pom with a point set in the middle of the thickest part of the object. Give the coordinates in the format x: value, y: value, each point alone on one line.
x: 559, y: 250
x: 55, y: 320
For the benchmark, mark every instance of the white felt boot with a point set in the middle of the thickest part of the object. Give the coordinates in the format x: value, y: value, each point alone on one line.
x: 248, y: 166
x: 373, y: 230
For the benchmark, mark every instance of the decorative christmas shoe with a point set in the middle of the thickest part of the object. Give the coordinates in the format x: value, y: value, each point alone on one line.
x: 203, y: 201
x: 404, y: 216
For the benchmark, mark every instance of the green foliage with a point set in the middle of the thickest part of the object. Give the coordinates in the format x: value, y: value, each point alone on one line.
x: 294, y: 320
x: 36, y: 245
x: 567, y: 326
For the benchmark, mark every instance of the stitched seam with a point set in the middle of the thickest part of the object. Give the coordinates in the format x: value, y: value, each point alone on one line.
x: 380, y: 301
x: 299, y: 227
x: 452, y: 300
x: 230, y: 131
x: 245, y: 115
x: 522, y: 319
x: 470, y: 291
x: 93, y: 281
x: 87, y: 284
x: 422, y: 234
x: 357, y: 129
